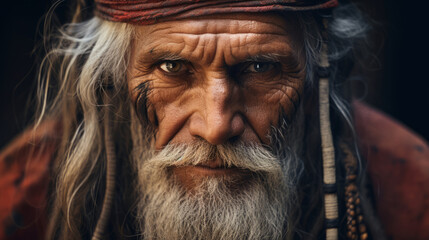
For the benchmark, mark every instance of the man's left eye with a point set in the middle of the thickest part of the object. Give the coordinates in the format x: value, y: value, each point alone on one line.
x: 259, y: 67
x: 171, y: 66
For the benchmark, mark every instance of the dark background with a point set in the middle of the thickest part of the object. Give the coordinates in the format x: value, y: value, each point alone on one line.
x: 396, y: 76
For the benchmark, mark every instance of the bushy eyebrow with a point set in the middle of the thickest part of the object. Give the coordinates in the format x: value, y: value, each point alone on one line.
x: 269, y: 57
x: 290, y: 61
x: 154, y: 56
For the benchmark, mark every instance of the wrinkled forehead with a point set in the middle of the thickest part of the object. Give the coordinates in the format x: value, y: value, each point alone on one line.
x: 240, y: 35
x: 268, y: 17
x: 286, y: 24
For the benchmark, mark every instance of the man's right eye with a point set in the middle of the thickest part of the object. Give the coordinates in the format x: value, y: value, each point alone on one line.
x: 172, y: 66
x: 259, y: 67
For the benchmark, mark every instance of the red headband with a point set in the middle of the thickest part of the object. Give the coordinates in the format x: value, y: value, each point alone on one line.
x: 145, y: 12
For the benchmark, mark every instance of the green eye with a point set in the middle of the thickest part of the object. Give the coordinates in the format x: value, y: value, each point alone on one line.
x: 259, y: 67
x: 171, y: 66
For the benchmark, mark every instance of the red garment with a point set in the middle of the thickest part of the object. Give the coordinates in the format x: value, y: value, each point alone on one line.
x: 24, y: 178
x: 398, y: 167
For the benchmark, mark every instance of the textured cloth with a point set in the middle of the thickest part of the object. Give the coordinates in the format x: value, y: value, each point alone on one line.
x: 145, y: 12
x: 398, y: 168
x: 25, y: 172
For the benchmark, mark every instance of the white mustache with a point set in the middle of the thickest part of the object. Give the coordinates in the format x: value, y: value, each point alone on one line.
x: 250, y: 157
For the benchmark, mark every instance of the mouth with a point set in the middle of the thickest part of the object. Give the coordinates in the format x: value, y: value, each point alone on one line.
x: 216, y: 163
x: 192, y: 175
x: 210, y: 171
x: 212, y: 168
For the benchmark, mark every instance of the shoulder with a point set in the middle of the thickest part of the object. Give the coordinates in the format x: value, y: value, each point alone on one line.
x: 24, y: 179
x: 398, y: 167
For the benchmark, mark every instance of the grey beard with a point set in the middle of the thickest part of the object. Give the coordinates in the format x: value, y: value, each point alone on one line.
x: 263, y: 208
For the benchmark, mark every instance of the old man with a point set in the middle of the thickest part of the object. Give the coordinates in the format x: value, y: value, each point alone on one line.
x: 187, y: 119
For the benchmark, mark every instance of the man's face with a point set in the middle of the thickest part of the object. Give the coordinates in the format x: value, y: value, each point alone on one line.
x: 220, y: 79
x: 213, y: 89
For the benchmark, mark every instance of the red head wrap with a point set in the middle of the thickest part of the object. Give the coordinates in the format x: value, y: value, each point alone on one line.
x: 151, y: 11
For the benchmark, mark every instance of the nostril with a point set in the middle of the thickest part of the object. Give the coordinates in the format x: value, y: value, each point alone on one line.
x: 234, y: 139
x: 237, y: 125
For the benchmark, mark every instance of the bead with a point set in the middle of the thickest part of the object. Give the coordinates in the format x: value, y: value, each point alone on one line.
x: 364, y: 236
x: 362, y: 228
x: 360, y: 218
x: 358, y: 210
x: 351, y: 177
x: 357, y: 200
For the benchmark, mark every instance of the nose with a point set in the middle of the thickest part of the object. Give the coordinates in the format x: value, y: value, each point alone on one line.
x: 219, y: 118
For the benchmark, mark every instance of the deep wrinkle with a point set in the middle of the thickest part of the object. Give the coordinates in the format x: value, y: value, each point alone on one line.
x: 142, y: 104
x: 216, y: 94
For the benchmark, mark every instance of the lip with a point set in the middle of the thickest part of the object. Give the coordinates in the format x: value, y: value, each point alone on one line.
x: 214, y: 164
x: 201, y: 170
x: 193, y: 175
x: 211, y: 168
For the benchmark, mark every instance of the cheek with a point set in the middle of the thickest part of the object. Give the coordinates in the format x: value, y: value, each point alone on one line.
x: 154, y: 99
x: 265, y: 103
x: 172, y: 107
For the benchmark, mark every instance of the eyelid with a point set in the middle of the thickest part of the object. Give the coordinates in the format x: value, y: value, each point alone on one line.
x: 247, y: 64
x: 186, y: 66
x: 165, y: 65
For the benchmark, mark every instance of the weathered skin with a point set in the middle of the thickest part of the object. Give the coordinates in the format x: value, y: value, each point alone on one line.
x: 219, y: 78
